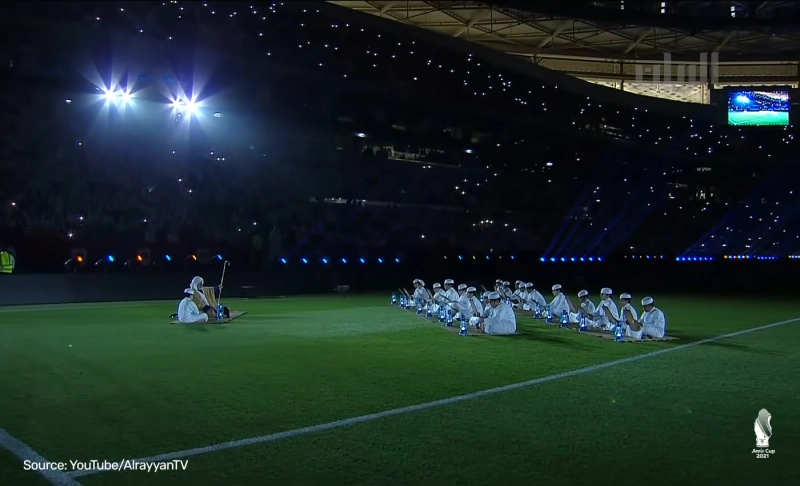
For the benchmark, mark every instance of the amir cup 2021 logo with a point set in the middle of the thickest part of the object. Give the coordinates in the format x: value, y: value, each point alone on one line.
x: 763, y: 429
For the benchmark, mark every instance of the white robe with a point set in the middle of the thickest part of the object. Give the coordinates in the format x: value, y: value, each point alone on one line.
x: 419, y: 294
x: 465, y: 309
x: 628, y: 331
x: 535, y: 297
x: 600, y: 317
x: 500, y: 320
x: 654, y: 324
x: 188, y: 312
x: 587, y: 308
x: 559, y: 305
x: 451, y: 295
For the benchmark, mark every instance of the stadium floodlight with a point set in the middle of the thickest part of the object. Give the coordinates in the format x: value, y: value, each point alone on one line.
x: 191, y: 107
x: 324, y: 261
x: 304, y: 260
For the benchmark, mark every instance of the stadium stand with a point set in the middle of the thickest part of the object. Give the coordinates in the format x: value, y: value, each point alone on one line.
x: 373, y: 143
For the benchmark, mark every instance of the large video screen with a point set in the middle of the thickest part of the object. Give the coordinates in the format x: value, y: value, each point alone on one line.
x: 758, y: 108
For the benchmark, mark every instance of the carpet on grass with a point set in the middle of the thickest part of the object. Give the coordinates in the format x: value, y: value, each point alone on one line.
x: 234, y: 315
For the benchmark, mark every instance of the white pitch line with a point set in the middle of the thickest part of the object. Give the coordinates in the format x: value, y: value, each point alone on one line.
x: 25, y: 453
x: 425, y: 406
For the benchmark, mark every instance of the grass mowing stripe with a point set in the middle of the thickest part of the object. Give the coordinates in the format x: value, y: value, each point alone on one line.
x: 102, y: 305
x: 428, y: 405
x: 25, y: 453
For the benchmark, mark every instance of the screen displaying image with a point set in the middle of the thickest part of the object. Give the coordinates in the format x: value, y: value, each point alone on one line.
x: 758, y: 108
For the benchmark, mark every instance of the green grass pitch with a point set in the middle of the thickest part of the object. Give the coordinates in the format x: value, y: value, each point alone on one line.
x: 760, y: 118
x: 132, y: 386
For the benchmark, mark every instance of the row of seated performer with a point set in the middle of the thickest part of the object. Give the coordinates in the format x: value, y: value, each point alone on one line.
x: 499, y: 313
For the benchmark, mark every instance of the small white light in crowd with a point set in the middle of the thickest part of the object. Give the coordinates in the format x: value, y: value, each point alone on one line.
x: 69, y: 235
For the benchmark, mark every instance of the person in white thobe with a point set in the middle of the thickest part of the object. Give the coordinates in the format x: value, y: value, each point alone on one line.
x: 462, y: 304
x: 499, y: 318
x: 507, y: 292
x: 188, y: 311
x: 420, y: 293
x: 450, y: 294
x: 586, y: 307
x: 625, y: 305
x: 559, y: 303
x: 477, y: 311
x: 652, y: 324
x: 438, y: 294
x: 602, y: 319
x: 533, y: 297
x: 516, y: 296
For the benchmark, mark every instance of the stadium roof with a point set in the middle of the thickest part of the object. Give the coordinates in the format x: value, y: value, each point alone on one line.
x: 603, y: 42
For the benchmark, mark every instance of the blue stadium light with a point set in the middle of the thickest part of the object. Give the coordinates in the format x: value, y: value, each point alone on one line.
x: 583, y: 259
x: 748, y: 257
x: 397, y: 260
x: 305, y: 261
x: 648, y: 257
x: 563, y: 259
x: 283, y: 260
x: 572, y: 259
x: 552, y: 259
x: 591, y: 259
x: 110, y: 259
x: 541, y: 259
x: 362, y: 260
x: 512, y: 257
x: 599, y: 259
x: 324, y: 261
x: 344, y: 261
x: 380, y: 260
x: 487, y: 257
x: 662, y: 257
x: 460, y: 257
x: 218, y: 257
x: 167, y: 258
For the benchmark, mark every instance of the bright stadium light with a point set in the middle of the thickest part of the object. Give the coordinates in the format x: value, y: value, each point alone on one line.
x: 191, y: 107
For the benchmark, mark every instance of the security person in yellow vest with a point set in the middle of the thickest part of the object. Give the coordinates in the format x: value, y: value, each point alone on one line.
x: 6, y: 262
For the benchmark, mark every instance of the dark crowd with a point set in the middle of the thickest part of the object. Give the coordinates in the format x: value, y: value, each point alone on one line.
x: 288, y: 133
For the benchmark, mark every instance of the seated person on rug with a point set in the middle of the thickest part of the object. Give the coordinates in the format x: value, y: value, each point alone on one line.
x: 420, y: 293
x: 468, y: 305
x: 516, y: 296
x: 498, y: 318
x: 606, y: 314
x: 188, y: 311
x: 437, y: 298
x: 450, y: 294
x: 206, y: 298
x: 533, y: 297
x: 559, y: 303
x: 652, y: 324
x: 627, y: 312
x: 507, y: 292
x: 586, y: 308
